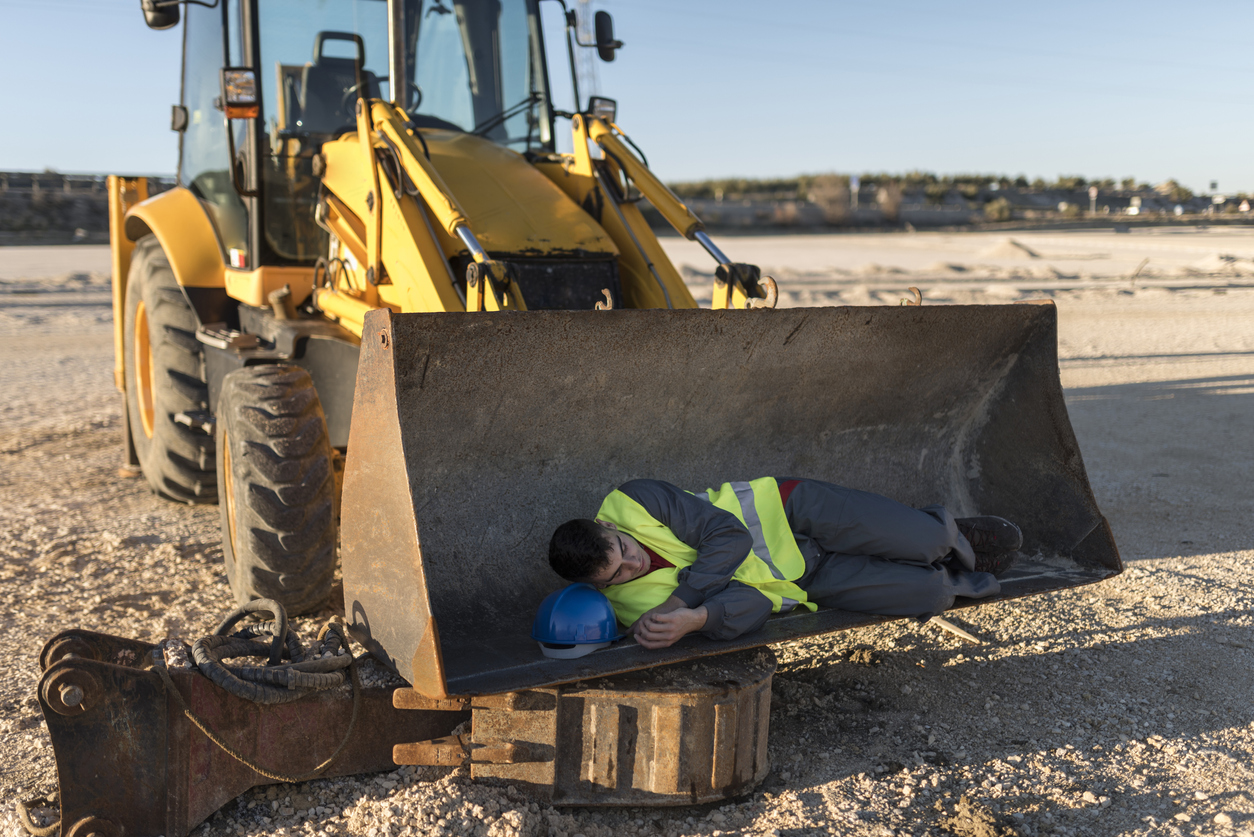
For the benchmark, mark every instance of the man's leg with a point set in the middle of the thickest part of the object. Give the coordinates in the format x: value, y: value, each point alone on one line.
x: 852, y: 522
x: 873, y: 585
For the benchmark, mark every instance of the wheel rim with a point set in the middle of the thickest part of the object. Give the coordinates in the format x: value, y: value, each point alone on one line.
x: 143, y: 370
x: 228, y: 494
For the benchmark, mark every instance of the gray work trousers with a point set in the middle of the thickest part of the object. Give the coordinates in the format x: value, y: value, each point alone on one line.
x: 870, y: 554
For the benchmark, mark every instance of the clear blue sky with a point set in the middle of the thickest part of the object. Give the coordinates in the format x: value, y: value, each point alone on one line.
x: 715, y: 88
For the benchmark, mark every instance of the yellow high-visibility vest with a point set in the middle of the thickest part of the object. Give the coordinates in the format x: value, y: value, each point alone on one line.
x: 771, y: 567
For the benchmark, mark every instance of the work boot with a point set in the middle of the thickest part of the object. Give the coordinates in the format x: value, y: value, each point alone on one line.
x: 990, y: 535
x: 994, y: 562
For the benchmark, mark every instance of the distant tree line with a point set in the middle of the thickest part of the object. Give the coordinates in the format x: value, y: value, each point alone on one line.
x: 918, y: 197
x: 933, y: 187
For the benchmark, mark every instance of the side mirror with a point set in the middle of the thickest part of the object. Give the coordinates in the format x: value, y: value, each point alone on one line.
x: 602, y: 108
x: 239, y: 93
x: 238, y: 101
x: 604, y: 25
x: 160, y: 14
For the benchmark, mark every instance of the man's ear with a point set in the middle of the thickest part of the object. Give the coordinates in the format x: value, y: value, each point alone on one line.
x: 606, y: 524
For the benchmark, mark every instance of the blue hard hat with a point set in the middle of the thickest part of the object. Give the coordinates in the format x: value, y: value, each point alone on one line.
x: 575, y: 621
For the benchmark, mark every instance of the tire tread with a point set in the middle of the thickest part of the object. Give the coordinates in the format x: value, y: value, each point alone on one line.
x: 283, y: 487
x: 177, y: 462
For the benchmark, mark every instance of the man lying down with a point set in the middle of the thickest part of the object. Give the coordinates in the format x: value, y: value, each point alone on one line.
x: 721, y: 561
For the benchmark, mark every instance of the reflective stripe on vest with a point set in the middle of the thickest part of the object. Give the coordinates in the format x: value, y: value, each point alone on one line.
x: 749, y: 516
x: 773, y: 564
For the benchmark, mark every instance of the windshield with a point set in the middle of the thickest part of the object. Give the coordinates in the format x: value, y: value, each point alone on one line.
x: 479, y: 67
x: 471, y: 65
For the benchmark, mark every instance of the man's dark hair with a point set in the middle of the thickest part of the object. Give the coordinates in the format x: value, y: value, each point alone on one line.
x: 579, y: 549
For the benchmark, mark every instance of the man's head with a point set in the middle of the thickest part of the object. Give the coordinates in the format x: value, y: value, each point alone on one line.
x: 594, y: 551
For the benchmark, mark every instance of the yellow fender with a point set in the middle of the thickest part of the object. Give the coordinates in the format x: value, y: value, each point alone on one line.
x: 184, y: 231
x: 124, y: 192
x: 186, y: 234
x: 181, y: 226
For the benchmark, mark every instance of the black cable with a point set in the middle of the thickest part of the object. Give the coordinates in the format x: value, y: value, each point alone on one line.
x: 279, y: 625
x: 275, y: 682
x: 413, y: 129
x: 622, y: 197
x: 321, y: 265
x: 643, y: 158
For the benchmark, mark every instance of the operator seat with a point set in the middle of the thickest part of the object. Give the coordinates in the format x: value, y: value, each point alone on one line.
x: 327, y: 81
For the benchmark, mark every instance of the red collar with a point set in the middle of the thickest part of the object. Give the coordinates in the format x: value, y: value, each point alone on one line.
x: 656, y: 562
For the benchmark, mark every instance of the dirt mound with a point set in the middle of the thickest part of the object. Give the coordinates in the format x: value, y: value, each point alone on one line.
x: 947, y: 267
x: 874, y: 269
x: 1223, y: 263
x: 1009, y: 249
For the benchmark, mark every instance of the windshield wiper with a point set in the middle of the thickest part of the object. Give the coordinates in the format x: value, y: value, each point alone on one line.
x: 488, y: 124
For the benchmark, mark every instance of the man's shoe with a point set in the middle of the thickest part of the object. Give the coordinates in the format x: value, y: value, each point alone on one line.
x: 994, y: 562
x: 990, y: 535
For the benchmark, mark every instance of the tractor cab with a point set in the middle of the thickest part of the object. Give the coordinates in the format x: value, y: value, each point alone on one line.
x: 460, y: 66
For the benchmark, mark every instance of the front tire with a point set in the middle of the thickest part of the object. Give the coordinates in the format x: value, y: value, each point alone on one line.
x: 164, y: 377
x: 277, y: 487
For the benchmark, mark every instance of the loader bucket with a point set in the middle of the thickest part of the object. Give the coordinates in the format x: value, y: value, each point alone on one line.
x: 473, y: 436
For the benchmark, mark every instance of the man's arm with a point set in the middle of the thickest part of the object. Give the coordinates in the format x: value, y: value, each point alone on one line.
x: 736, y: 610
x: 722, y: 542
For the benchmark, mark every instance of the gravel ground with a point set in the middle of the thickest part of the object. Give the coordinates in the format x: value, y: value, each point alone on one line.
x: 1122, y: 708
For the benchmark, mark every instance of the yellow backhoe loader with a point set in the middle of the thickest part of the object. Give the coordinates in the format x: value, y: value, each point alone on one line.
x: 377, y: 263
x: 306, y: 201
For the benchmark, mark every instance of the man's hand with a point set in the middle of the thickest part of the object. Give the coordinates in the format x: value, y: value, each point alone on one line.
x: 671, y: 603
x: 660, y: 628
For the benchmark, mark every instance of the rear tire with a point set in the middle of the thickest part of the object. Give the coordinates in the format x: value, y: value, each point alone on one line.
x: 164, y: 377
x: 277, y: 487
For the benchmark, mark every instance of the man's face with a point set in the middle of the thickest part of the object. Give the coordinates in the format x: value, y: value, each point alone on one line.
x: 627, y: 559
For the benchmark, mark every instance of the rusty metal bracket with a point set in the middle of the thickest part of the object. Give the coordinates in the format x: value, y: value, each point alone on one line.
x: 449, y: 751
x: 410, y: 699
x: 130, y: 762
x: 543, y: 700
x: 455, y: 750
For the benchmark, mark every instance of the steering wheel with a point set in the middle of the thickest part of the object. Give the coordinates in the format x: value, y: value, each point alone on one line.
x: 351, y: 93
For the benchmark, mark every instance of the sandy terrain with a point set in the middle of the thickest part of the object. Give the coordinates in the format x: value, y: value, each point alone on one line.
x: 868, y: 268
x: 1124, y: 708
